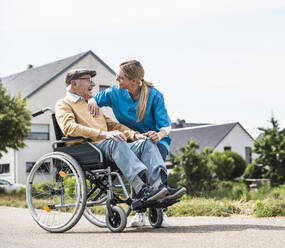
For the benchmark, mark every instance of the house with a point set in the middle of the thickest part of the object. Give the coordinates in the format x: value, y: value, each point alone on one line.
x: 182, y: 123
x: 221, y: 137
x: 42, y: 86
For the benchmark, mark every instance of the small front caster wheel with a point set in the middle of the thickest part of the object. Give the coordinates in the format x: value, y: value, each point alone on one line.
x: 155, y: 217
x: 119, y: 222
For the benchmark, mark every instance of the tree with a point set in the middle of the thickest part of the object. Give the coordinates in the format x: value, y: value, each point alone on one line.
x: 202, y: 171
x: 239, y: 164
x: 15, y: 120
x: 228, y: 165
x: 223, y: 165
x: 271, y: 150
x: 192, y: 168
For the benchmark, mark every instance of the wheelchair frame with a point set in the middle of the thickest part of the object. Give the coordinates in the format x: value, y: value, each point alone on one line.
x: 94, y: 186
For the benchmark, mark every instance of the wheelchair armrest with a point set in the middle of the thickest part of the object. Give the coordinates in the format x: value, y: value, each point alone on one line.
x: 75, y: 138
x: 64, y: 140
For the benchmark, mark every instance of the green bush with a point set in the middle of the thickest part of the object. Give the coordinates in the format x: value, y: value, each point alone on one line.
x: 204, y: 207
x: 193, y: 169
x: 201, y: 171
x: 228, y: 165
x: 269, y: 208
x: 227, y: 190
x: 223, y: 165
x: 239, y: 164
x: 254, y: 171
x: 69, y: 186
x: 18, y: 192
x: 174, y: 178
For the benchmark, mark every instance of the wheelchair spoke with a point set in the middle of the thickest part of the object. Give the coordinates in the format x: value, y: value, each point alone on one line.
x: 54, y: 193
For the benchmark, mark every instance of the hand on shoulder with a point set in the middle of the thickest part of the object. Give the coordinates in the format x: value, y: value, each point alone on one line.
x: 93, y: 107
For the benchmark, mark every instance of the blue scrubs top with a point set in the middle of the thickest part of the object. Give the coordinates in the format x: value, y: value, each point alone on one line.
x: 125, y: 109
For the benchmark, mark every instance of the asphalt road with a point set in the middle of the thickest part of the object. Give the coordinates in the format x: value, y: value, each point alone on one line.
x: 18, y: 230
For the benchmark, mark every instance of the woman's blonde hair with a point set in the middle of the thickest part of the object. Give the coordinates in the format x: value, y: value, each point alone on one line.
x: 134, y: 70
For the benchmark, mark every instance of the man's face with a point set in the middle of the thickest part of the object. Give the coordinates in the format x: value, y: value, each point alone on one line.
x: 83, y: 86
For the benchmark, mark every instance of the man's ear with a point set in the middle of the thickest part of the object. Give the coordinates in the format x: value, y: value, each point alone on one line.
x: 73, y: 83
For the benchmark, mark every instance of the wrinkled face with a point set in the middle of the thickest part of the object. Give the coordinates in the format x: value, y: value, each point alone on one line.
x: 83, y: 86
x: 124, y: 82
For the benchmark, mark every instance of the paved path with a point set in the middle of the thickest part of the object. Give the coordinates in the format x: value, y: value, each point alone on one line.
x: 18, y: 230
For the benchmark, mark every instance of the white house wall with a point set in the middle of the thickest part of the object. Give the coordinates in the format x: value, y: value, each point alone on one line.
x: 47, y: 97
x: 237, y: 139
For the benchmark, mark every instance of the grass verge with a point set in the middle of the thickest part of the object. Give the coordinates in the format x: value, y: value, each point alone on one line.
x: 265, y: 202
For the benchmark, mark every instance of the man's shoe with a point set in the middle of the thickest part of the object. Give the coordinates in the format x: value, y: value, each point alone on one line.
x: 138, y: 220
x: 148, y: 193
x: 164, y: 220
x: 175, y: 193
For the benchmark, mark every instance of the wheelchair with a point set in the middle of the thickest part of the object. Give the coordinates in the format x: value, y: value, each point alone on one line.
x: 76, y: 180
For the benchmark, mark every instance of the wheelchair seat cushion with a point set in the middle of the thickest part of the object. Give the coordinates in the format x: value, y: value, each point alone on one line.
x: 84, y: 154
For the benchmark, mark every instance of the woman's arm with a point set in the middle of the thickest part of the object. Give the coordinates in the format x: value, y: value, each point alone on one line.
x: 101, y: 99
x: 161, y: 118
x: 93, y: 107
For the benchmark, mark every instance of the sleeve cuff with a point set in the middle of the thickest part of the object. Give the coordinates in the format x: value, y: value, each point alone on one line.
x: 166, y: 129
x: 90, y: 100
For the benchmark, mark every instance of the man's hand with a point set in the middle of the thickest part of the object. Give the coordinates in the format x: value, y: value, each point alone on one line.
x: 93, y: 107
x: 114, y: 135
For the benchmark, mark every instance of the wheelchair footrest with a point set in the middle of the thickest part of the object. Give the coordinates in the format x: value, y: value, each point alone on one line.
x: 138, y: 204
x: 165, y: 203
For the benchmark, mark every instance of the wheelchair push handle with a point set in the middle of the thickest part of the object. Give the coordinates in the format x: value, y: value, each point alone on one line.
x: 42, y: 111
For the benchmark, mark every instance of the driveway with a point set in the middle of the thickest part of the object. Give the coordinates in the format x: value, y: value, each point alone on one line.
x: 18, y: 230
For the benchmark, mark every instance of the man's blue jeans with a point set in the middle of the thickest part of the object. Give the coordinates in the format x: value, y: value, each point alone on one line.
x: 133, y: 158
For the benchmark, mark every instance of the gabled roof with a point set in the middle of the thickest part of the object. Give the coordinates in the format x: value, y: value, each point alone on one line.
x: 175, y: 125
x: 206, y: 135
x: 31, y: 80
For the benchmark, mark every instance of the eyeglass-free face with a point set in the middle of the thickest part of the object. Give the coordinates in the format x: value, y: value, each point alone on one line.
x: 124, y: 81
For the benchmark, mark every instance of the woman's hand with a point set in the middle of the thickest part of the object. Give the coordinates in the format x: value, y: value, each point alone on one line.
x: 140, y: 136
x: 155, y: 136
x: 93, y: 107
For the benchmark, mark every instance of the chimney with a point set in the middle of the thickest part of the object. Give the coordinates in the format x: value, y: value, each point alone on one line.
x: 30, y: 66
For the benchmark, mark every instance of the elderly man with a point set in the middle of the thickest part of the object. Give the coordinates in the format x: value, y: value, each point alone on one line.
x: 135, y: 159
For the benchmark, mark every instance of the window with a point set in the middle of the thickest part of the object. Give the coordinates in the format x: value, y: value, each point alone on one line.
x: 4, y: 168
x: 39, y: 132
x: 44, y: 168
x: 227, y: 148
x: 103, y: 87
x: 248, y: 155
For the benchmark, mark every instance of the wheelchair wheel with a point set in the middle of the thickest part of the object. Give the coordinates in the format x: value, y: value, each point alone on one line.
x: 119, y: 222
x: 155, y: 217
x: 56, y: 192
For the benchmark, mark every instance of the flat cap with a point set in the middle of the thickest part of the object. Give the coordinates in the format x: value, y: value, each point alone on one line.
x: 77, y: 73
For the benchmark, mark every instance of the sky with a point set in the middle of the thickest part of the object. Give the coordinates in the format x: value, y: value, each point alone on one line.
x: 214, y: 61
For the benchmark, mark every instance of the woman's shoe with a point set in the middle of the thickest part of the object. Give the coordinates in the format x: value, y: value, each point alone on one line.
x: 138, y: 220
